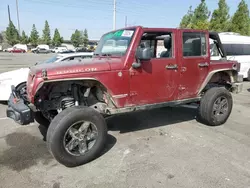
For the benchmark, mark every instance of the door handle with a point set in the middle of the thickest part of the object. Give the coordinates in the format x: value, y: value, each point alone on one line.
x: 203, y: 64
x: 172, y: 66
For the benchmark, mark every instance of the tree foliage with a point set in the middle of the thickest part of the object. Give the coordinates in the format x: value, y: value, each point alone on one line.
x: 34, y: 36
x: 220, y: 20
x: 186, y: 19
x: 46, y: 33
x: 24, y: 38
x: 76, y: 38
x: 57, y: 39
x: 85, y: 38
x: 12, y: 34
x: 240, y: 21
x: 1, y: 38
x: 200, y: 16
x: 220, y: 17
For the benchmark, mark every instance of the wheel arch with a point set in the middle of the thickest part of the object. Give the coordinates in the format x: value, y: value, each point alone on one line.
x: 91, y: 82
x: 19, y: 84
x: 228, y: 75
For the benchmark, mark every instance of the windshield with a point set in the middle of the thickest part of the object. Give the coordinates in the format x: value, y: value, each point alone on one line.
x: 50, y: 60
x: 115, y: 43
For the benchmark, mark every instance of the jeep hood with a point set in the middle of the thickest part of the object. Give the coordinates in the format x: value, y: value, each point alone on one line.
x: 71, y: 67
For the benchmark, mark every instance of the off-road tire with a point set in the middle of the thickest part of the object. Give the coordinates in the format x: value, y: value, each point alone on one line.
x: 60, y: 124
x: 205, y: 110
x: 40, y: 119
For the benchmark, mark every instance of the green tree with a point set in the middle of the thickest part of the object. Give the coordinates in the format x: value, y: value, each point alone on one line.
x: 81, y: 37
x: 34, y: 36
x: 57, y: 39
x: 200, y: 17
x: 24, y: 38
x: 186, y: 19
x: 76, y: 38
x: 46, y: 34
x: 85, y: 38
x: 12, y: 34
x: 3, y: 37
x: 240, y: 21
x: 220, y: 17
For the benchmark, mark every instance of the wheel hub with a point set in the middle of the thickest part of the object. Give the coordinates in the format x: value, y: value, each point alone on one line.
x: 220, y: 107
x: 80, y: 137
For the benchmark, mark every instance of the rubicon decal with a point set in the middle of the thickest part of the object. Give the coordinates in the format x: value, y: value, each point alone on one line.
x: 77, y: 70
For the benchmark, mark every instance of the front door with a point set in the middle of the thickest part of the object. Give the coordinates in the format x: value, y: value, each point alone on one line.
x: 157, y: 79
x: 195, y: 62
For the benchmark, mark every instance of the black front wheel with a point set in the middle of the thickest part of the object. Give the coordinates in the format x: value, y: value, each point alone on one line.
x: 215, y: 106
x: 76, y: 136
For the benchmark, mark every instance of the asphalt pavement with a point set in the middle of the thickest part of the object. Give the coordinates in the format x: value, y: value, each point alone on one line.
x: 165, y: 147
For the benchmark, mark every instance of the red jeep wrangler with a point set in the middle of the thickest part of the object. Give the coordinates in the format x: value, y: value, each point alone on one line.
x: 134, y: 68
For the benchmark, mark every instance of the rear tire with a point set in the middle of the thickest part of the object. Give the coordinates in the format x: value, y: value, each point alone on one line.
x: 65, y: 124
x: 215, y: 106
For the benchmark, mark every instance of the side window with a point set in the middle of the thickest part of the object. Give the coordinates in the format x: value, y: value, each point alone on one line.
x: 194, y: 44
x: 86, y: 57
x: 214, y: 50
x: 237, y: 49
x: 160, y: 43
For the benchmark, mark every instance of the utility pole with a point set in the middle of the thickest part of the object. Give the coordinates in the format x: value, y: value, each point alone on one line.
x: 18, y: 17
x: 125, y: 21
x: 9, y: 12
x: 114, y: 15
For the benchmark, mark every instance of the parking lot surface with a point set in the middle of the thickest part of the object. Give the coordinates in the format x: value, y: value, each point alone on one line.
x: 165, y: 147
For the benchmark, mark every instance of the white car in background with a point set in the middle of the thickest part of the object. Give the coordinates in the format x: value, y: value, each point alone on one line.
x: 59, y: 49
x: 19, y: 77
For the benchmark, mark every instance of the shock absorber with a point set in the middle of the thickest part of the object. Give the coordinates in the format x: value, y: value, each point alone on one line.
x: 75, y: 94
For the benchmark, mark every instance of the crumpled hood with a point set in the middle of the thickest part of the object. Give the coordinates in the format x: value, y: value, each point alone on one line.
x: 71, y: 67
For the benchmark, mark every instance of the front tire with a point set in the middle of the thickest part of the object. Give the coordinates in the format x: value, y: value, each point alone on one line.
x: 76, y: 136
x: 40, y: 119
x: 215, y: 106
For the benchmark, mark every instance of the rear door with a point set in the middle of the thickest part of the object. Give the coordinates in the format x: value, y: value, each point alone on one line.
x: 194, y: 60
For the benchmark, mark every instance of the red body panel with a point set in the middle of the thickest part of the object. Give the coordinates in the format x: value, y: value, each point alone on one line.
x: 151, y: 83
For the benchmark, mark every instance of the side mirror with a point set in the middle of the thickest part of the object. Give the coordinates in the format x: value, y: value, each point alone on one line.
x: 143, y: 54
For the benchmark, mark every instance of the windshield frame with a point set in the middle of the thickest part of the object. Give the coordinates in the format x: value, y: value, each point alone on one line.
x: 117, y: 34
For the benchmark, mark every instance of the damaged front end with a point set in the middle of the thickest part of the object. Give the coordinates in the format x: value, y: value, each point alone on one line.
x: 18, y: 108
